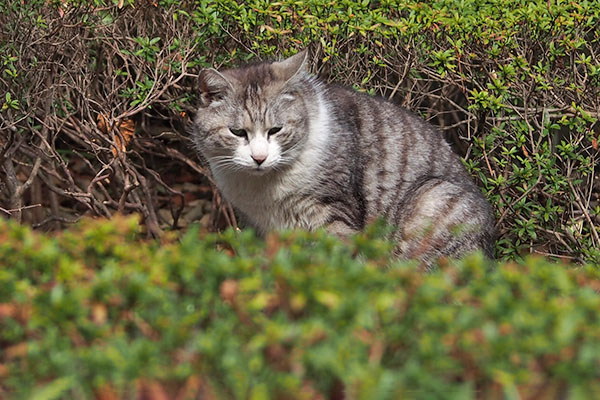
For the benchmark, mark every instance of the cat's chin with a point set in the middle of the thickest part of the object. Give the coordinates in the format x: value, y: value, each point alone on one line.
x: 259, y: 171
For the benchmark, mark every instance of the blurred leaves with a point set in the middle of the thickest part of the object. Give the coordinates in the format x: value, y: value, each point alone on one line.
x: 97, y: 312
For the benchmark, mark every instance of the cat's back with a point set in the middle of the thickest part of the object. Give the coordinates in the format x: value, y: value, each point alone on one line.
x: 388, y: 147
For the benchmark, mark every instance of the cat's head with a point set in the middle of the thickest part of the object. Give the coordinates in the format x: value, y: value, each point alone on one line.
x: 255, y: 118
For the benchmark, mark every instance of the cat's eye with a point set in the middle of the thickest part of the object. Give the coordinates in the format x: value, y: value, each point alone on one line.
x: 273, y: 131
x: 239, y: 132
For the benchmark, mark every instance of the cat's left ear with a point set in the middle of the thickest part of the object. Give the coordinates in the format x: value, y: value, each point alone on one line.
x: 291, y: 66
x: 213, y: 86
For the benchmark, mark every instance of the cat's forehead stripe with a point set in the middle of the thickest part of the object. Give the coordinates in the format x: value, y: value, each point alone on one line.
x: 254, y: 75
x: 253, y: 82
x: 253, y: 106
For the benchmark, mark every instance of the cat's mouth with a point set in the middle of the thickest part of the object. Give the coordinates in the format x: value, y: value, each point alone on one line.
x: 263, y: 169
x: 259, y: 170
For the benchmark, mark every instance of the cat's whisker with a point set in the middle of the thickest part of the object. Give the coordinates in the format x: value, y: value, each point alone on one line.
x: 291, y: 149
x: 220, y: 163
x: 229, y: 163
x: 283, y: 162
x: 229, y: 166
x: 221, y: 158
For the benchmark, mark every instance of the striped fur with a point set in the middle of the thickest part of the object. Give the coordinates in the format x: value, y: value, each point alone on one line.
x: 340, y: 160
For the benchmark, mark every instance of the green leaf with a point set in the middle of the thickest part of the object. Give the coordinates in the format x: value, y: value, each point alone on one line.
x: 53, y: 390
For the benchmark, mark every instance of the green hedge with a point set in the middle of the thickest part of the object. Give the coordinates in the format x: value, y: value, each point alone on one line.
x: 514, y: 84
x: 95, y: 312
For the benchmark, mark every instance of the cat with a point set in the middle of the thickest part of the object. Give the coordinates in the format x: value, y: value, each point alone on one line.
x: 289, y: 151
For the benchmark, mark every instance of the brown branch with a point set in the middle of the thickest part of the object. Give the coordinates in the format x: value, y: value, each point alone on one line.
x: 583, y: 209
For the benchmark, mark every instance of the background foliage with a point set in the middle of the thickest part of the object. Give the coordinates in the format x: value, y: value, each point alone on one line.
x: 96, y: 313
x: 96, y: 96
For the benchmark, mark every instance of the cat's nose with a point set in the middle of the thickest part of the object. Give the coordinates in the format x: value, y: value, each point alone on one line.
x: 259, y: 158
x: 259, y: 148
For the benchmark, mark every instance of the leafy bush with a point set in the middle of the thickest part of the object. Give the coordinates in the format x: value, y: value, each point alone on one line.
x: 96, y: 95
x: 96, y: 313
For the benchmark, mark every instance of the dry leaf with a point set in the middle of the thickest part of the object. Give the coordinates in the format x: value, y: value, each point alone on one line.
x: 273, y: 245
x: 273, y: 30
x: 106, y: 392
x: 7, y: 310
x: 310, y: 392
x: 18, y: 350
x: 99, y: 313
x: 376, y: 351
x: 151, y: 390
x: 102, y: 124
x: 191, y: 389
x: 229, y: 289
x: 126, y: 129
x: 16, y: 311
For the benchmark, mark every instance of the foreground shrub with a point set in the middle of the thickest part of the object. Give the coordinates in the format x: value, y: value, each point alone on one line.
x: 96, y: 93
x: 94, y: 312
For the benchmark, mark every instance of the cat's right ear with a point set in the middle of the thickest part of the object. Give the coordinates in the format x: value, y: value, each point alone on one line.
x: 292, y: 66
x: 213, y: 86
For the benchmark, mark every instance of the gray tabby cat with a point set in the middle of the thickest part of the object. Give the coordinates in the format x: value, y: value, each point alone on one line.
x: 288, y: 151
